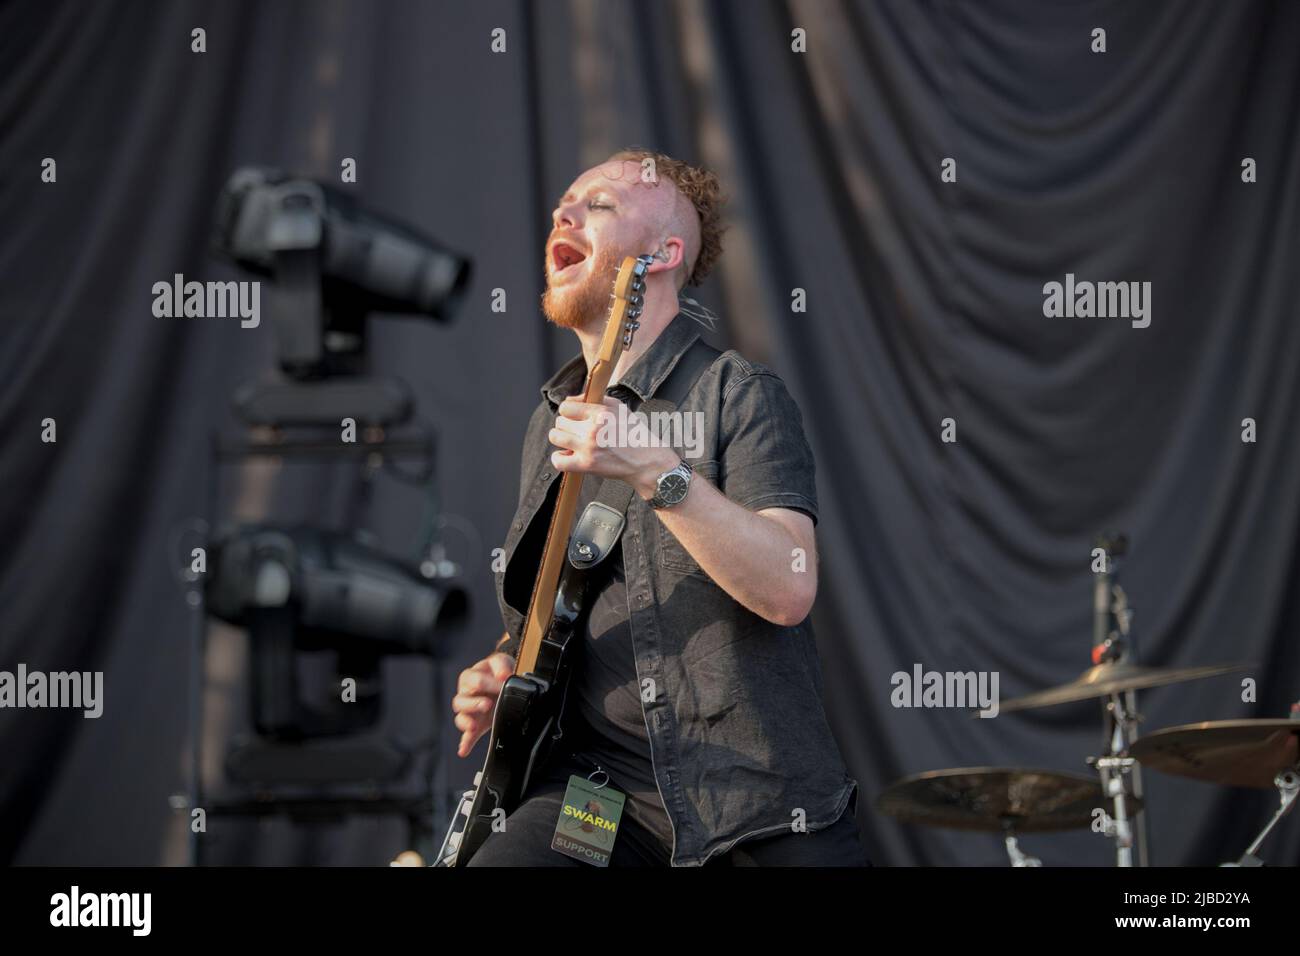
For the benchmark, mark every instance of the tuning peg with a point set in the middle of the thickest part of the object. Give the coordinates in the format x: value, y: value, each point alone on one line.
x: 633, y: 313
x: 635, y: 301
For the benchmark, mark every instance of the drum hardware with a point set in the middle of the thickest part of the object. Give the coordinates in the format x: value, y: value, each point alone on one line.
x: 1257, y: 753
x: 1116, y: 677
x: 1019, y: 858
x: 1248, y: 753
x: 1112, y: 770
x: 1288, y: 784
x: 1006, y: 800
x: 1111, y: 619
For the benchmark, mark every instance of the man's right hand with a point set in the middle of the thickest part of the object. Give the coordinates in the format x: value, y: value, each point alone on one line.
x: 475, y: 702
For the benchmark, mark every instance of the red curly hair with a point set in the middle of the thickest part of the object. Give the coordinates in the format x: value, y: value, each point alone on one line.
x: 702, y: 188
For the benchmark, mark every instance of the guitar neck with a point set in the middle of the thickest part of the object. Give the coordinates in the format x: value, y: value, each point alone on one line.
x: 628, y: 290
x: 541, y: 607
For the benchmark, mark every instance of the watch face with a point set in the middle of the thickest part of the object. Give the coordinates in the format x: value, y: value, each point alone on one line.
x: 672, y: 488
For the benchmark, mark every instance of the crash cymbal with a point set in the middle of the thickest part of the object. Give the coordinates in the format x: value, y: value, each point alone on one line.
x: 1236, y: 753
x: 996, y: 799
x: 1114, y: 677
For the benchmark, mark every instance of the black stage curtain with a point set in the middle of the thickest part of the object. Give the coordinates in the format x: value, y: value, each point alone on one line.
x: 924, y: 303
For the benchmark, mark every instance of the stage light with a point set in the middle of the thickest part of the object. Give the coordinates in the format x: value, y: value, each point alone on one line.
x: 302, y: 589
x: 331, y: 263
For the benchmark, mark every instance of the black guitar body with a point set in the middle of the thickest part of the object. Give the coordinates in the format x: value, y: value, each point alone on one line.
x: 529, y: 718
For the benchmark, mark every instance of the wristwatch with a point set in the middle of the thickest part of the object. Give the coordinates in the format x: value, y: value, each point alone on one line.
x: 671, y: 487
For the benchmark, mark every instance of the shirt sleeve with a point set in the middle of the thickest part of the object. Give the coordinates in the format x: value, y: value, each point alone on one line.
x: 766, y: 460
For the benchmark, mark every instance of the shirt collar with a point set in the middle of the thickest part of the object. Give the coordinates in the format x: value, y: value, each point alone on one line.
x: 646, y: 373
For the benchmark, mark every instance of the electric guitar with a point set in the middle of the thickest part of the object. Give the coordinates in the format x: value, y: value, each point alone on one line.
x: 527, y: 720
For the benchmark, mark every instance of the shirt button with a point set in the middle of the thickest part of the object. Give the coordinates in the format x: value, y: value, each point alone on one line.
x: 519, y: 526
x: 642, y: 600
x: 544, y: 476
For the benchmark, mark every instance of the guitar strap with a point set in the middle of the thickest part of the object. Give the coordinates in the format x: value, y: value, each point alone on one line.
x: 601, y: 522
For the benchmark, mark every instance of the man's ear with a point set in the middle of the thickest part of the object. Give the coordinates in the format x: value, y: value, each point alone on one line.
x: 669, y: 255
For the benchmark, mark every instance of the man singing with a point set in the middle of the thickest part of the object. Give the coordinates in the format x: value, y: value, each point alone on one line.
x: 698, y: 692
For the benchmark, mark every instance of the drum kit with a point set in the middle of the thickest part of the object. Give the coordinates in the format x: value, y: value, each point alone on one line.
x: 1258, y: 754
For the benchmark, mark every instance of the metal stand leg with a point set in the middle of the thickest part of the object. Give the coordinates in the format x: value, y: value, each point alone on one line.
x: 1121, y: 721
x: 1019, y: 858
x: 1288, y: 785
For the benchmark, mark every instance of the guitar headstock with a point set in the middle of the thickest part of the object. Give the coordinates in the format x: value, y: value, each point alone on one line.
x: 625, y: 310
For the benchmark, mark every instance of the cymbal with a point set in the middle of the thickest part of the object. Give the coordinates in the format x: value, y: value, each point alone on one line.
x: 1114, y: 677
x: 996, y: 799
x: 1236, y: 753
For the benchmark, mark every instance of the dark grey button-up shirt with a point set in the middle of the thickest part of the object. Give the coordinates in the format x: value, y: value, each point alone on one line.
x: 739, y: 740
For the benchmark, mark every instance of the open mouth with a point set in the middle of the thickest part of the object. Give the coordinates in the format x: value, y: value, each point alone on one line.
x: 564, y: 255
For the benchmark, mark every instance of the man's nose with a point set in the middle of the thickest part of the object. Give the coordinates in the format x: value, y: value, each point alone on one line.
x: 565, y: 216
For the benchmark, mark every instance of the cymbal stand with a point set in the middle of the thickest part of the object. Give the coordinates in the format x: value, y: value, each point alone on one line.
x: 1112, y: 767
x: 1123, y: 619
x: 1018, y: 856
x: 1288, y: 785
x: 1112, y: 640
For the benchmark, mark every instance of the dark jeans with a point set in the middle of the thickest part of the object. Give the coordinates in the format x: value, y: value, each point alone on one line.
x: 526, y: 840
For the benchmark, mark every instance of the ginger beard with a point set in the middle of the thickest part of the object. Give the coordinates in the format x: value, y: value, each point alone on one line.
x: 578, y: 303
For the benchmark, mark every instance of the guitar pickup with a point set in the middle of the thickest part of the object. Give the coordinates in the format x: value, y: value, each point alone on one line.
x: 595, y: 535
